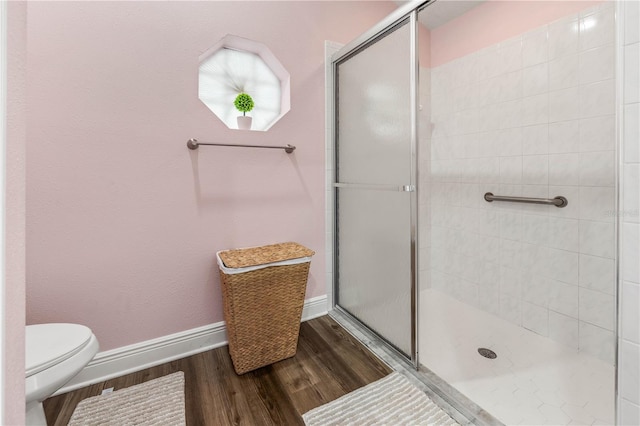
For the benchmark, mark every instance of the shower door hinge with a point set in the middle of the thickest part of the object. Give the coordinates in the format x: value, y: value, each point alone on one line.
x: 409, y: 188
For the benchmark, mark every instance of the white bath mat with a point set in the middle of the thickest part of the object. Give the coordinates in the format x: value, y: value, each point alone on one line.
x: 156, y: 402
x: 392, y: 400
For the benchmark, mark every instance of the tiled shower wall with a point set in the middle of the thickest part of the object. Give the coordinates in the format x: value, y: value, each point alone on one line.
x: 531, y: 116
x: 629, y: 332
x: 424, y: 177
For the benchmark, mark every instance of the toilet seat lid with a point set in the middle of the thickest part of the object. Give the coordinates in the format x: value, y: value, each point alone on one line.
x: 50, y: 344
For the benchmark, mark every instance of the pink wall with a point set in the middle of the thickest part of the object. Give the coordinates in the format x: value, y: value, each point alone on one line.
x: 493, y: 22
x: 123, y: 221
x: 14, y: 309
x: 424, y: 46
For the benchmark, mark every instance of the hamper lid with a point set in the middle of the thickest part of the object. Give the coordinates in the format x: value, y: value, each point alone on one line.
x: 242, y: 258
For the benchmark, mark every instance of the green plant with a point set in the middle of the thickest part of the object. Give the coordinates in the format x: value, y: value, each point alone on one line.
x: 244, y: 103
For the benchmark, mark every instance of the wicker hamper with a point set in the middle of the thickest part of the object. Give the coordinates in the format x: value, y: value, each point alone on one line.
x: 263, y: 292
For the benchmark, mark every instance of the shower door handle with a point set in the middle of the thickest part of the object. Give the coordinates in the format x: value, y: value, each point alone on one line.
x: 374, y: 187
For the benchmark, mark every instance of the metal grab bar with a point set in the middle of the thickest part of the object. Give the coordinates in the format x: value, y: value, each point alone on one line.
x: 557, y: 201
x: 194, y: 144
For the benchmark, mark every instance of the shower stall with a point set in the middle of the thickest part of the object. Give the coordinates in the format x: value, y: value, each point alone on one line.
x: 474, y: 190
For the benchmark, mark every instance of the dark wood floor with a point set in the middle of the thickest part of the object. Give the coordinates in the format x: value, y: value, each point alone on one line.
x: 329, y: 364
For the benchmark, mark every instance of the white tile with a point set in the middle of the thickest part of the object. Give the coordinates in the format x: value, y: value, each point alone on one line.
x: 511, y: 170
x: 597, y: 64
x: 465, y: 97
x: 597, y: 203
x: 631, y: 193
x: 489, y: 171
x: 510, y: 309
x: 509, y: 142
x: 565, y: 104
x: 597, y: 273
x: 488, y: 223
x: 555, y: 414
x: 535, y: 288
x: 470, y: 195
x: 510, y: 54
x: 441, y: 105
x: 489, y: 301
x: 597, y: 238
x: 535, y: 139
x: 509, y: 190
x: 563, y: 266
x: 535, y: 229
x: 534, y: 47
x: 629, y: 412
x: 564, y: 137
x: 630, y: 234
x: 597, y: 308
x: 629, y: 371
x: 597, y: 7
x: 597, y: 134
x: 535, y: 79
x: 482, y: 59
x: 510, y: 282
x: 629, y: 311
x: 563, y: 298
x: 564, y: 234
x: 535, y: 169
x: 510, y: 253
x: 572, y: 194
x: 602, y: 409
x: 468, y: 292
x: 597, y: 168
x: 597, y: 29
x: 597, y: 342
x: 563, y: 329
x: 535, y: 259
x: 563, y: 37
x: 510, y: 86
x: 489, y: 275
x: 564, y: 169
x: 564, y: 72
x: 631, y: 133
x: 440, y: 147
x: 488, y: 118
x: 468, y: 121
x: 597, y: 99
x: 487, y: 63
x: 487, y: 91
x: 511, y: 225
x: 578, y: 415
x: 511, y: 114
x: 631, y: 27
x: 631, y: 73
x: 535, y: 110
x: 535, y: 318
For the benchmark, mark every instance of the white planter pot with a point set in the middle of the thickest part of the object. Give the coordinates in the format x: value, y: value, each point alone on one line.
x: 244, y: 122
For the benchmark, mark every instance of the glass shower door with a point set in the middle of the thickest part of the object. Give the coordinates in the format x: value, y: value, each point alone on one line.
x: 375, y: 187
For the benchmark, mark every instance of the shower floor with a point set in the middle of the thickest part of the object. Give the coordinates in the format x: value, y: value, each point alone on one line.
x: 533, y: 381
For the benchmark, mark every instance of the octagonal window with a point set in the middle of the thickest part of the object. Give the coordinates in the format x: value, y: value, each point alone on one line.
x: 235, y: 66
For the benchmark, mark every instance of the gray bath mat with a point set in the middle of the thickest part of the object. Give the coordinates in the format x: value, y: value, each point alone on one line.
x: 392, y: 400
x: 156, y: 402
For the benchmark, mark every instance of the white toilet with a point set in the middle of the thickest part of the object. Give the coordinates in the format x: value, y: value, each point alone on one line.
x: 54, y: 354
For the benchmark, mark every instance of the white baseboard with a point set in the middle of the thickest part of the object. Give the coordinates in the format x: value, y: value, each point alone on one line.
x: 128, y: 359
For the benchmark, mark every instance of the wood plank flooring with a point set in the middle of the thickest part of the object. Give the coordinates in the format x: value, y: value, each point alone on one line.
x: 329, y: 363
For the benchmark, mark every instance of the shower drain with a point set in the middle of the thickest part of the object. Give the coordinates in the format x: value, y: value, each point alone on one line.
x: 487, y: 353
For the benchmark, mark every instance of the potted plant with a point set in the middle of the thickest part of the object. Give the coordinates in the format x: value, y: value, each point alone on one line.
x: 244, y: 104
